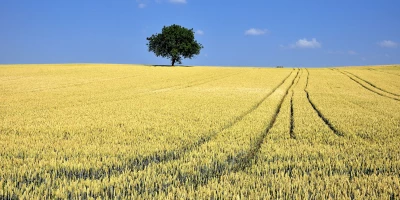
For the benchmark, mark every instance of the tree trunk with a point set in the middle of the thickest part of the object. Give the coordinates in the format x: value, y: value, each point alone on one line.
x: 173, y: 62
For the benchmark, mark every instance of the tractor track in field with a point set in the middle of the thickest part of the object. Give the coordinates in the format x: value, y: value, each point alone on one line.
x: 242, y: 161
x: 371, y: 84
x: 327, y: 122
x: 172, y: 88
x: 365, y: 87
x: 191, y: 84
x: 372, y: 69
x: 247, y: 160
x: 140, y: 163
x: 79, y: 84
x: 146, y: 93
x: 74, y: 84
x: 86, y: 83
x: 167, y: 89
x: 291, y: 130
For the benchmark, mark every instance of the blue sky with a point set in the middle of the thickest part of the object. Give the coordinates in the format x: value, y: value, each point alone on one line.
x: 309, y: 33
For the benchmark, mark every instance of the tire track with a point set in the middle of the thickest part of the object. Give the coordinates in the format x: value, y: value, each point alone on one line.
x: 192, y: 84
x: 140, y: 163
x: 145, y: 93
x: 78, y: 84
x: 117, y: 78
x: 291, y: 132
x: 218, y: 169
x: 247, y: 160
x: 327, y: 122
x: 166, y: 89
x: 369, y: 89
x: 372, y: 69
x: 292, y: 135
x: 371, y: 84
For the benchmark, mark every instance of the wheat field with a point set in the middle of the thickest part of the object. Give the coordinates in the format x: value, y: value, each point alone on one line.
x: 105, y: 131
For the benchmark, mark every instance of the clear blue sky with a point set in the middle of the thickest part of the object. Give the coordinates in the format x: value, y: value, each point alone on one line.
x: 246, y: 33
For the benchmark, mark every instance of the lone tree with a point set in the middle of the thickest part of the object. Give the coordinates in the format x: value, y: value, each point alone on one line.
x: 174, y: 42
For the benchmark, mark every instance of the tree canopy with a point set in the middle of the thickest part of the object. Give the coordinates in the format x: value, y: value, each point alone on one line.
x: 175, y: 43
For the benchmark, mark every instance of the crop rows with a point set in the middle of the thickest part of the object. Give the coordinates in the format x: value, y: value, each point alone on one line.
x: 317, y: 164
x: 134, y: 132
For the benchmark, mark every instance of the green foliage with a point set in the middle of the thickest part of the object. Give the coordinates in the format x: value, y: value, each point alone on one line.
x: 174, y: 42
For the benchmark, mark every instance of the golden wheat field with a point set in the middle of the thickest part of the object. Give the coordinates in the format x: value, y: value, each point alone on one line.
x: 94, y: 131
